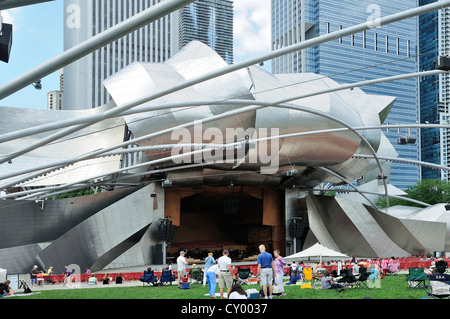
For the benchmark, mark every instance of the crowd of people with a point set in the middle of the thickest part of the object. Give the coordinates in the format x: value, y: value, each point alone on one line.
x: 220, y: 271
x: 235, y: 254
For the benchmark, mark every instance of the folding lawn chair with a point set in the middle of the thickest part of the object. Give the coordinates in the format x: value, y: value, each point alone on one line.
x: 308, y: 274
x: 149, y: 278
x: 317, y: 282
x: 244, y: 274
x: 439, y: 287
x: 167, y: 277
x: 347, y: 279
x: 196, y: 274
x: 361, y: 280
x: 416, y: 277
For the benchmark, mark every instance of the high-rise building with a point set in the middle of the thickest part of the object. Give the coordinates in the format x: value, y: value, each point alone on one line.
x: 376, y: 53
x: 155, y: 42
x: 434, y: 41
x: 54, y: 100
x: 211, y: 22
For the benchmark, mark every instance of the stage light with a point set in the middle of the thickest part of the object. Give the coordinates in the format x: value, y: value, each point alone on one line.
x: 443, y: 63
x: 5, y: 40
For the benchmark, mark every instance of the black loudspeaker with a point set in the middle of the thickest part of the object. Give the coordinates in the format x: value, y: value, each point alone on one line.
x: 443, y: 63
x: 296, y: 228
x: 166, y: 232
x: 5, y: 42
x: 158, y: 254
x: 231, y: 206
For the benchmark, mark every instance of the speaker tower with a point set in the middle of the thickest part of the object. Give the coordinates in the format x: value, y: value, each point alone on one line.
x: 5, y: 42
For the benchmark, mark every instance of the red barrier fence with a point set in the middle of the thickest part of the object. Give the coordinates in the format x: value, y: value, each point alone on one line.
x: 129, y: 276
x: 405, y: 263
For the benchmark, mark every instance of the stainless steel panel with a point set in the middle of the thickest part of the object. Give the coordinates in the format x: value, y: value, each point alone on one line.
x: 103, y: 237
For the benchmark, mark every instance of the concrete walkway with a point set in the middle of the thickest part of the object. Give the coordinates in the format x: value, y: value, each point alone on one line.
x: 128, y: 283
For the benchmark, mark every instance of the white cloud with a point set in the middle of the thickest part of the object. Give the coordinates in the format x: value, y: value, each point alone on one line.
x: 9, y: 16
x: 252, y: 28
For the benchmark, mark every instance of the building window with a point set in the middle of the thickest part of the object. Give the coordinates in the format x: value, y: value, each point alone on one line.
x: 375, y: 43
x: 408, y: 48
x: 364, y: 39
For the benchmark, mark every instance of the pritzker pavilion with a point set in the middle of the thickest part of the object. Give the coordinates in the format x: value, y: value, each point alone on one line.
x: 232, y: 156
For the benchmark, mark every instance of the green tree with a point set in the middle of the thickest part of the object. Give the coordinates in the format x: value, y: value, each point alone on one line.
x: 430, y: 191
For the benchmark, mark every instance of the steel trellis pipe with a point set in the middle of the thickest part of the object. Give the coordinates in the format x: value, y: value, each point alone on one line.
x: 296, y: 47
x: 60, y: 164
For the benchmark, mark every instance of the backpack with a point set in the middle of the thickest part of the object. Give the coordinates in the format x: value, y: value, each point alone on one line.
x: 185, y: 285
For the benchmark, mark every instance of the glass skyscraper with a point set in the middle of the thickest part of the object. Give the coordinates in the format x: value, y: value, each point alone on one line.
x: 211, y: 22
x: 434, y: 31
x: 156, y: 42
x: 376, y: 53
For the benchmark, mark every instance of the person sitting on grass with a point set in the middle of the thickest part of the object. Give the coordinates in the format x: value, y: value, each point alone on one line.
x: 92, y: 280
x: 294, y: 278
x: 106, y: 279
x: 328, y: 283
x: 119, y: 278
x: 5, y: 289
x: 237, y: 292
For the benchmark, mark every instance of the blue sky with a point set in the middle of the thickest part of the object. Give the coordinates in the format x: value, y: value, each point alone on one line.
x: 38, y: 37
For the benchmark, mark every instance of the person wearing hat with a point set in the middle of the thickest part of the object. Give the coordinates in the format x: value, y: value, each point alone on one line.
x: 181, y: 265
x: 33, y: 275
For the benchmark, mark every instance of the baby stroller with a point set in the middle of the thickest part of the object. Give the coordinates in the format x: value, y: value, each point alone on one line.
x: 24, y: 285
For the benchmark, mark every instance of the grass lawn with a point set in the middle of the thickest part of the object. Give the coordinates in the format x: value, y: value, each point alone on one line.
x: 391, y: 287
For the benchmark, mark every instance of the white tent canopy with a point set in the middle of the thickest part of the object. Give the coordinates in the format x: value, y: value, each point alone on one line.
x: 316, y: 252
x: 2, y: 275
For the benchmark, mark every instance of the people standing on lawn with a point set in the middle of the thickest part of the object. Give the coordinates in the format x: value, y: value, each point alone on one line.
x: 33, y: 276
x: 211, y: 276
x: 226, y: 274
x: 67, y: 274
x: 209, y: 261
x: 279, y: 264
x: 266, y: 271
x: 181, y: 267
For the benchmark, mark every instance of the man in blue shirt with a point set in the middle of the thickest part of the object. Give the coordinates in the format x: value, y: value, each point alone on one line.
x: 266, y: 270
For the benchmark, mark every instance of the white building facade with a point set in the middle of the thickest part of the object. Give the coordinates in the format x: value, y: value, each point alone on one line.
x: 155, y: 42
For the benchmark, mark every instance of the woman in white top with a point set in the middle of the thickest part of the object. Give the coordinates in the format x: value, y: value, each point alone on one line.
x: 237, y: 292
